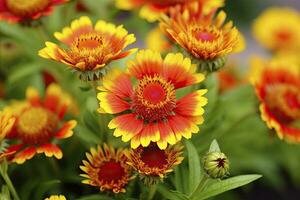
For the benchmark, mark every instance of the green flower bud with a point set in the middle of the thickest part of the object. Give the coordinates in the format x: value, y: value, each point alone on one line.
x: 216, y: 164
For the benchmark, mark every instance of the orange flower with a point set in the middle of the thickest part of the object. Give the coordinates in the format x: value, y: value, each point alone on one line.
x: 38, y: 123
x: 205, y: 37
x: 152, y: 163
x: 277, y: 85
x: 152, y: 9
x: 106, y: 168
x: 149, y: 110
x: 90, y: 49
x: 15, y: 11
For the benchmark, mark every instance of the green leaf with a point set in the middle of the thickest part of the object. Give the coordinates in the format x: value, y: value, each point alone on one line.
x: 171, y: 194
x: 214, y: 147
x: 5, y: 193
x: 95, y: 197
x: 23, y: 71
x: 91, y: 121
x: 86, y: 135
x: 194, y: 166
x: 226, y: 185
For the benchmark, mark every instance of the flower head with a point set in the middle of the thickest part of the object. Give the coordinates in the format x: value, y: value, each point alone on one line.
x: 152, y: 9
x: 38, y: 123
x: 278, y: 29
x: 56, y: 197
x: 15, y: 11
x: 6, y: 124
x: 277, y: 85
x: 216, y: 164
x: 205, y: 37
x: 152, y: 163
x: 107, y: 169
x: 89, y: 49
x: 147, y: 106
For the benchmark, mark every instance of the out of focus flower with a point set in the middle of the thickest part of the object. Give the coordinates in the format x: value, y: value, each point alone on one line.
x: 107, y: 169
x: 6, y: 124
x: 216, y: 165
x: 278, y: 29
x: 90, y: 49
x: 277, y: 85
x: 56, y: 197
x: 152, y: 163
x: 205, y: 37
x: 38, y: 123
x: 15, y: 11
x: 289, y: 56
x: 229, y: 78
x: 156, y: 41
x: 48, y: 78
x: 152, y: 9
x: 149, y: 110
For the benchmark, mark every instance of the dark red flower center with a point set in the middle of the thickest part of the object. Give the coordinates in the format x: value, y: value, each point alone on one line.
x: 152, y: 156
x: 111, y: 171
x: 154, y: 99
x: 26, y: 7
x: 284, y: 35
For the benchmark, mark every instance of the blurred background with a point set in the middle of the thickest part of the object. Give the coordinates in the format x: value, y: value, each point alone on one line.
x: 232, y: 117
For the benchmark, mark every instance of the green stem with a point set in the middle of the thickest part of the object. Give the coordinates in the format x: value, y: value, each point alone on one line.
x: 9, y: 184
x: 200, y: 187
x: 152, y: 191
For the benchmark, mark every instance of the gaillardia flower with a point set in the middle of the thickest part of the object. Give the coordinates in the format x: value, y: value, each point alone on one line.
x: 148, y: 108
x: 6, y: 124
x: 205, y: 37
x: 152, y: 9
x: 15, y: 11
x: 89, y: 49
x: 152, y: 163
x: 38, y: 123
x: 277, y: 85
x: 278, y: 29
x: 56, y: 197
x: 107, y: 169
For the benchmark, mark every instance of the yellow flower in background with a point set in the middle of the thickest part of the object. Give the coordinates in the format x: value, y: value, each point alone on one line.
x: 89, y: 49
x: 6, y: 123
x: 56, y: 197
x: 277, y: 84
x: 157, y: 41
x: 205, y: 37
x: 39, y: 122
x: 107, y: 169
x: 152, y: 163
x: 278, y: 29
x: 152, y: 9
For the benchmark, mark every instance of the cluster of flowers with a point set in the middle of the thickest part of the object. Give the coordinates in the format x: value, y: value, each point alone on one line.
x: 143, y: 98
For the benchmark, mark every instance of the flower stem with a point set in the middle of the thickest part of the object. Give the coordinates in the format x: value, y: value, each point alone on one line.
x: 9, y: 184
x: 152, y: 191
x: 200, y: 187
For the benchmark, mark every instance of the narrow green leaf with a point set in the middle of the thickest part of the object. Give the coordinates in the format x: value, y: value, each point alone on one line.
x: 95, y: 197
x: 214, y: 147
x: 226, y: 185
x: 171, y: 194
x: 194, y: 166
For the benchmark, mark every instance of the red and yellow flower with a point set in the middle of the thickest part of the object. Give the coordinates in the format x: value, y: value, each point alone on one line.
x: 6, y: 124
x: 56, y: 197
x: 38, y: 123
x: 156, y: 41
x: 148, y: 108
x: 89, y: 49
x: 152, y: 9
x: 278, y: 29
x: 277, y: 85
x: 107, y: 169
x: 15, y: 11
x: 205, y: 37
x: 152, y: 163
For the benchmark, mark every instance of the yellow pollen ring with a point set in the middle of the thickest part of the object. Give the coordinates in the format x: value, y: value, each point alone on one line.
x: 26, y: 7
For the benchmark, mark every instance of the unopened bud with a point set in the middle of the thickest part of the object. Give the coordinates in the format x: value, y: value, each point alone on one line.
x: 216, y: 164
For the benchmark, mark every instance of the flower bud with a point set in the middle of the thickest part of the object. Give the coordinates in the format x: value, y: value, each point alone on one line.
x: 216, y: 164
